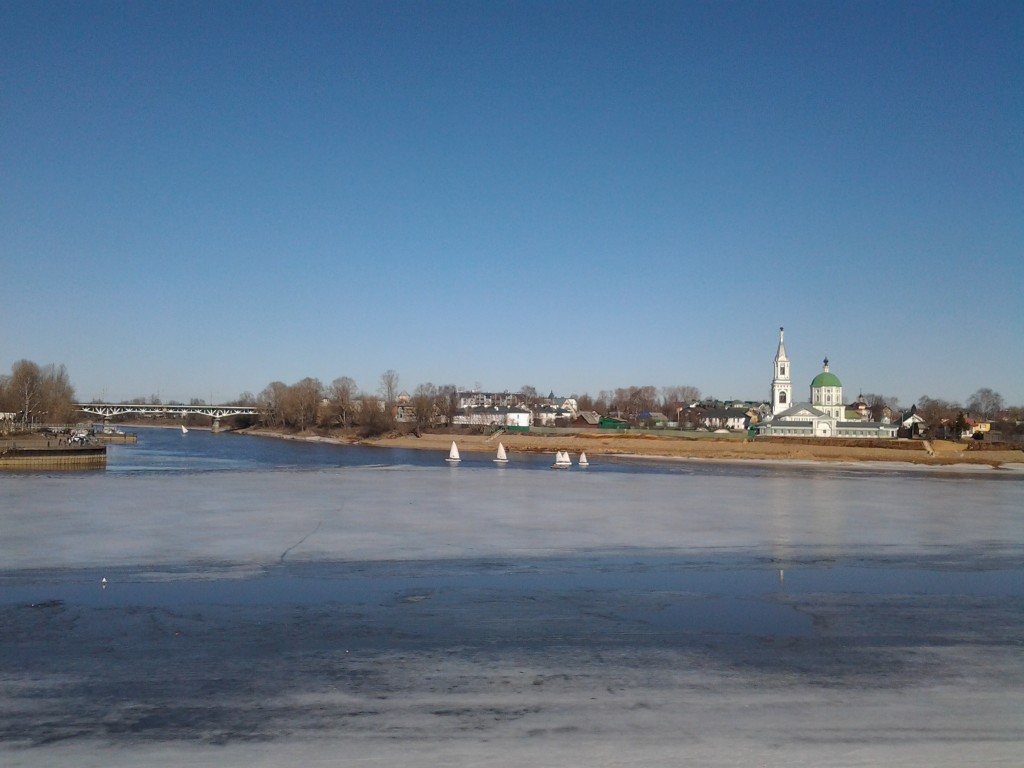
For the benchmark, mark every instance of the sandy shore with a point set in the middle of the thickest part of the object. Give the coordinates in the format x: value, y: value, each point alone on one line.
x: 926, y: 453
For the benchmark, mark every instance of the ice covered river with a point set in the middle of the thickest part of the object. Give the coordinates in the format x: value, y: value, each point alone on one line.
x: 271, y: 602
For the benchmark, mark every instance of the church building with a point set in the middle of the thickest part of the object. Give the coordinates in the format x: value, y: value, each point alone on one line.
x: 824, y: 416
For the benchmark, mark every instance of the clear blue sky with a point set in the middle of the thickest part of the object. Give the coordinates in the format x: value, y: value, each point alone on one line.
x: 197, y: 199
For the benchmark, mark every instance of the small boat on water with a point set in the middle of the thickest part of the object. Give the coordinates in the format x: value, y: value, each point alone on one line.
x: 453, y: 454
x: 183, y: 430
x: 502, y: 457
x: 583, y: 460
x: 562, y: 460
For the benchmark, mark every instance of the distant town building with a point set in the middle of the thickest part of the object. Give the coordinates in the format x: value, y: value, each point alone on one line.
x: 474, y: 399
x: 493, y: 416
x: 587, y: 420
x: 551, y: 415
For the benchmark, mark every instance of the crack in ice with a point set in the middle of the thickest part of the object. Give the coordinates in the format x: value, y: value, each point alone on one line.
x: 297, y: 543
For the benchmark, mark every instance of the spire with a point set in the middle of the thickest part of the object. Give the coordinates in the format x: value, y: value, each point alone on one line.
x: 826, y: 364
x: 781, y: 353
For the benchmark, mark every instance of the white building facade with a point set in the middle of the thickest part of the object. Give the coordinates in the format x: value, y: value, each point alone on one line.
x: 493, y: 416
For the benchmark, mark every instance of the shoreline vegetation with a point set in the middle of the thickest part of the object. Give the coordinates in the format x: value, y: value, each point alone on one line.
x: 936, y: 453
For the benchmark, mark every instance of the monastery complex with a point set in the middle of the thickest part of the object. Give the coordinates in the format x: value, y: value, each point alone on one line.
x: 823, y: 416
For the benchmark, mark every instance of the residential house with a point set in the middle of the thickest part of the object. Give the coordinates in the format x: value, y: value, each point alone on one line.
x: 910, y: 424
x: 725, y: 418
x: 587, y: 420
x: 548, y: 415
x: 654, y: 420
x: 978, y: 427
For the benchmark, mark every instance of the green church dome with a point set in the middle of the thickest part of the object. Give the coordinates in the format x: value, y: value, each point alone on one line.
x: 826, y: 379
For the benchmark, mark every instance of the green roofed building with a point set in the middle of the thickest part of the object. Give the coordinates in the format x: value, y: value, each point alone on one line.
x: 823, y: 416
x: 827, y: 393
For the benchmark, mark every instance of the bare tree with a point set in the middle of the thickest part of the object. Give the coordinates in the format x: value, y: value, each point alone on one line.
x: 530, y: 394
x: 389, y: 386
x: 26, y: 389
x: 620, y: 400
x: 301, y: 403
x: 637, y: 400
x: 272, y: 402
x: 1011, y: 421
x: 633, y: 401
x: 374, y: 418
x: 58, y: 396
x: 245, y: 399
x: 38, y: 393
x: 425, y: 405
x: 682, y: 393
x: 878, y: 403
x: 985, y: 402
x: 644, y: 399
x: 340, y: 396
x: 937, y: 413
x: 447, y: 401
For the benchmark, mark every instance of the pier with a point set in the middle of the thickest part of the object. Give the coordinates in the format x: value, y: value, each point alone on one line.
x: 39, y: 453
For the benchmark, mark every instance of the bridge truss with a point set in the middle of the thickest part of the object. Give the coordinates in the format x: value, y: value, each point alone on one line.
x: 215, y: 412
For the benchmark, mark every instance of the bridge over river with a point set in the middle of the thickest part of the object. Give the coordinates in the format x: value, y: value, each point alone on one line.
x: 215, y: 412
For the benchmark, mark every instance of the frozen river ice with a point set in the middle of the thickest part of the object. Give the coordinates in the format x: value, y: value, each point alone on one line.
x: 277, y: 604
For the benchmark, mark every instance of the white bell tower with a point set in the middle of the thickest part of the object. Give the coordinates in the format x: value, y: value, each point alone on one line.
x: 782, y: 383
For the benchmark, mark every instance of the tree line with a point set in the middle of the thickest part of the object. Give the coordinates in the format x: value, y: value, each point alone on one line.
x: 343, y: 405
x: 37, y: 394
x: 309, y: 404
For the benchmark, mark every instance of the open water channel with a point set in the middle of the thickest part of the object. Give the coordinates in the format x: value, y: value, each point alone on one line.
x: 254, y: 601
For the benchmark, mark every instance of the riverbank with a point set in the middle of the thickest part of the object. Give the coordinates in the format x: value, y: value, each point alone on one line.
x: 925, y: 453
